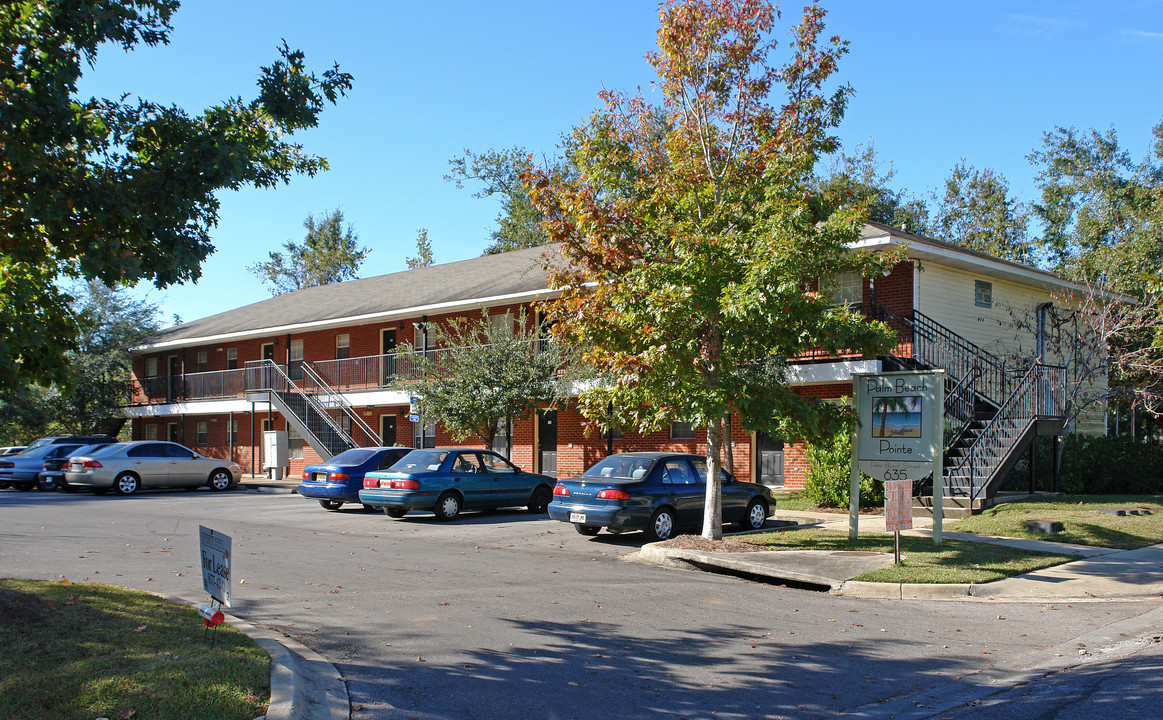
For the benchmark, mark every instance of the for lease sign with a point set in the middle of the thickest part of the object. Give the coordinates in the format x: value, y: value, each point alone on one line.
x: 215, y: 551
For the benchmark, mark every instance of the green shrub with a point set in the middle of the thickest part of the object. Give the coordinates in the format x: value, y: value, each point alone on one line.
x: 1094, y: 466
x: 830, y: 474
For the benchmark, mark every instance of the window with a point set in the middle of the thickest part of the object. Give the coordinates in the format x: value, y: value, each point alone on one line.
x: 982, y: 293
x: 428, y: 440
x: 232, y: 358
x: 151, y: 432
x: 295, y: 443
x: 203, y: 361
x: 151, y: 367
x: 677, y: 472
x: 295, y: 360
x: 847, y: 288
x: 203, y: 432
x: 614, y: 434
x: 501, y: 324
x: 342, y: 346
x: 501, y: 439
x: 345, y: 424
x: 233, y: 431
x: 681, y: 431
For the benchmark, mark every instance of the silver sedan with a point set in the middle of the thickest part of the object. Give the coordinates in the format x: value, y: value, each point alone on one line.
x: 128, y: 467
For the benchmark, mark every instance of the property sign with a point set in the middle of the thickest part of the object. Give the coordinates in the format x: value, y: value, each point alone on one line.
x: 898, y: 505
x: 899, y: 421
x: 215, y: 549
x: 902, y: 428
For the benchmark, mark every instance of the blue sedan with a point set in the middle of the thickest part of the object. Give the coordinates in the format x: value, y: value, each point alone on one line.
x: 655, y: 492
x: 447, y: 481
x: 339, y: 480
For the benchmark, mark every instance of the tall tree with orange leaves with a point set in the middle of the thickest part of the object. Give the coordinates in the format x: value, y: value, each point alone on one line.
x: 690, y: 249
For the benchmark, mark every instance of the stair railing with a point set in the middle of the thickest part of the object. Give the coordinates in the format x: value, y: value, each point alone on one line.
x: 1038, y: 394
x: 961, y: 405
x: 316, y: 386
x: 266, y: 375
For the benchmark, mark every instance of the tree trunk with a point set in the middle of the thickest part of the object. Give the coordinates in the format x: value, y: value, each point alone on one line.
x: 728, y: 446
x: 713, y: 506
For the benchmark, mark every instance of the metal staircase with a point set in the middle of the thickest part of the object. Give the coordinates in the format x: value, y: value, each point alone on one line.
x: 313, y: 410
x: 992, y: 412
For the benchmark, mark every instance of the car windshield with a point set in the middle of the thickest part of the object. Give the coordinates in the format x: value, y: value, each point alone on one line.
x: 418, y: 460
x: 100, y: 450
x: 620, y: 467
x: 354, y: 456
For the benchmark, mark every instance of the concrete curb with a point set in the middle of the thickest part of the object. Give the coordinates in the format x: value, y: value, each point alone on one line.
x: 304, y: 684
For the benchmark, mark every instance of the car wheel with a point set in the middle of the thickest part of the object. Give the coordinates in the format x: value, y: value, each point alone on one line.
x: 448, y: 506
x: 331, y: 504
x: 126, y: 484
x: 661, y: 525
x: 755, y: 517
x: 587, y: 530
x: 47, y: 484
x: 539, y: 501
x: 24, y: 487
x: 220, y: 480
x: 396, y: 513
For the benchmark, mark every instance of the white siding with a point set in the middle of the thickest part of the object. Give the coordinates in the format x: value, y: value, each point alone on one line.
x: 1007, y: 329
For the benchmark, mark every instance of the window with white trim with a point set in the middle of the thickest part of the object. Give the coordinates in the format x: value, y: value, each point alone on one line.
x: 342, y: 346
x: 847, y: 288
x: 203, y: 361
x: 203, y: 432
x: 681, y: 431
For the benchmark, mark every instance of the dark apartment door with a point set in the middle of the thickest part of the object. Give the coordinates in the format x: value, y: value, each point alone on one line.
x: 387, y: 430
x: 388, y: 363
x: 770, y: 452
x: 172, y: 432
x: 174, y: 384
x: 547, y: 442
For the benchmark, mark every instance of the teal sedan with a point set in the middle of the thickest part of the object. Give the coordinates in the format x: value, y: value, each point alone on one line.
x: 446, y: 481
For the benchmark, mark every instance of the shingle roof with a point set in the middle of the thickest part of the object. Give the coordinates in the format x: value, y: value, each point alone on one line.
x: 489, y: 276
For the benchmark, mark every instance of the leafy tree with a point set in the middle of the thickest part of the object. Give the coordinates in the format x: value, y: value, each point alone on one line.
x: 689, y: 237
x: 110, y: 323
x: 487, y: 374
x: 519, y: 224
x: 329, y: 254
x: 977, y: 211
x: 423, y: 251
x: 90, y: 401
x: 1101, y: 212
x: 857, y: 180
x: 119, y: 190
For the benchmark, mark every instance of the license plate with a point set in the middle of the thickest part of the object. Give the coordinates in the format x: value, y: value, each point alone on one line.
x: 577, y: 517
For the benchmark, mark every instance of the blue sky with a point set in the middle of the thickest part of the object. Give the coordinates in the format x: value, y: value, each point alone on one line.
x: 935, y: 81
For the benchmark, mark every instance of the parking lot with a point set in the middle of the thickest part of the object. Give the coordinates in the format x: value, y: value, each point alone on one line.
x: 504, y: 613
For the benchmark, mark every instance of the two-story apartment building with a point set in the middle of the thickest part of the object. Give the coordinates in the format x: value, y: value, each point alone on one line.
x: 318, y: 362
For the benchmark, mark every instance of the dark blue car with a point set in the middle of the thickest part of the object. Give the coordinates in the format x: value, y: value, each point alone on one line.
x: 654, y: 492
x: 339, y: 480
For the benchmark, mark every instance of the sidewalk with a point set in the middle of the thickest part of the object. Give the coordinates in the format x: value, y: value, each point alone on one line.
x: 1101, y: 574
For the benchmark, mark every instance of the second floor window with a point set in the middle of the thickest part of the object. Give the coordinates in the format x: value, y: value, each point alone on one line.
x: 847, y: 288
x: 342, y: 346
x: 203, y: 361
x: 151, y: 367
x: 231, y: 358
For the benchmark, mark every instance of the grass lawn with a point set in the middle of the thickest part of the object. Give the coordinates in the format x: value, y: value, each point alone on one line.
x: 84, y: 651
x: 1082, y: 517
x: 954, y: 561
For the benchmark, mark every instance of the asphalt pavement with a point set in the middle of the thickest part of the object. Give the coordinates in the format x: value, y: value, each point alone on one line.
x: 307, y: 687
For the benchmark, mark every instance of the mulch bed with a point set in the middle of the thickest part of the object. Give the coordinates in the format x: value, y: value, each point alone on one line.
x: 698, y: 542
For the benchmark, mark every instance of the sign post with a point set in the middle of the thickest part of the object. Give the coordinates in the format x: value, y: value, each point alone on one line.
x: 902, y: 425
